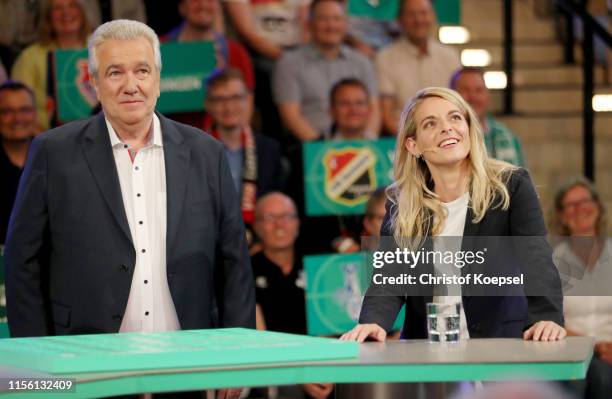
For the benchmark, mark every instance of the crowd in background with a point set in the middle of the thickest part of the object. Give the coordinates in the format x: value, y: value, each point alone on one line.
x: 289, y: 72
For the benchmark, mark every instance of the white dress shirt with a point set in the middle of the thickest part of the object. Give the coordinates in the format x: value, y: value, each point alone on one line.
x: 142, y: 178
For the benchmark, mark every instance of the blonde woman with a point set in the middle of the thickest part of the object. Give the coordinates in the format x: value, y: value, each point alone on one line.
x: 445, y: 185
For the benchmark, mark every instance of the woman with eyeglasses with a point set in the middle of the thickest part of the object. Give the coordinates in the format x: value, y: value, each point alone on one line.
x: 584, y: 258
x: 446, y: 186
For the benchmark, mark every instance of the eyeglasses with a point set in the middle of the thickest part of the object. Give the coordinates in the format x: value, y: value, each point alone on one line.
x: 580, y: 204
x: 236, y: 98
x: 271, y: 217
x: 22, y: 111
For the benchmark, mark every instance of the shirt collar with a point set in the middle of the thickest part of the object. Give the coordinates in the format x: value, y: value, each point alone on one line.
x: 414, y: 50
x: 155, y: 139
x: 313, y: 52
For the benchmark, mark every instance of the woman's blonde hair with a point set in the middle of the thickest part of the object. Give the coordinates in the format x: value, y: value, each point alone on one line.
x: 47, y: 35
x: 417, y: 210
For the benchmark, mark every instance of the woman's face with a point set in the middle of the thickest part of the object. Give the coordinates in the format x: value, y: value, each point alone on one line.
x: 442, y: 133
x: 579, y: 211
x: 66, y: 17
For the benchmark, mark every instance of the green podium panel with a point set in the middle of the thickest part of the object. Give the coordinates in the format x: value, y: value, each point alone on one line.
x: 178, y: 349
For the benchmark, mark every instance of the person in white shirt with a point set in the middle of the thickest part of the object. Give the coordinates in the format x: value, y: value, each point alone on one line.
x: 414, y: 61
x: 584, y: 259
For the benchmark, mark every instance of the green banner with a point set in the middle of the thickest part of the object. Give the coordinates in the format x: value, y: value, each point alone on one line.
x: 447, y: 11
x: 339, y: 176
x: 185, y: 67
x: 335, y: 288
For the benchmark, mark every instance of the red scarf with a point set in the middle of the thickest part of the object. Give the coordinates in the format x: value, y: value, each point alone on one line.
x: 249, y: 173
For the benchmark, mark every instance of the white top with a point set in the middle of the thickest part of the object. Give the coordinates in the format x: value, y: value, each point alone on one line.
x: 402, y: 71
x: 143, y: 188
x: 453, y: 227
x: 588, y: 315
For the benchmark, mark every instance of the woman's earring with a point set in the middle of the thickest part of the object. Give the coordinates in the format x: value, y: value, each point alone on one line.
x: 418, y: 156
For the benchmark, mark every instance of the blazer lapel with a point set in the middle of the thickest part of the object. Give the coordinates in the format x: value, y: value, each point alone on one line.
x: 99, y: 156
x: 177, y: 156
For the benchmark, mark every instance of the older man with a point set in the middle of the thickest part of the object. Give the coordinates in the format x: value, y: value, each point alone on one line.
x: 124, y: 221
x: 415, y: 61
x: 501, y: 142
x: 17, y: 128
x: 303, y: 78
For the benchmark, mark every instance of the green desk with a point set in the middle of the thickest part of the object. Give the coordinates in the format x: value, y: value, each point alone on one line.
x: 403, y: 361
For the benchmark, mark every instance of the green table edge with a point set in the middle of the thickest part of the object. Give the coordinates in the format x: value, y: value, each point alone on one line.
x: 283, y: 375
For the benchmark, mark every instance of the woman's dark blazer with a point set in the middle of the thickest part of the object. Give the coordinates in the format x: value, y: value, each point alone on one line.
x: 488, y: 316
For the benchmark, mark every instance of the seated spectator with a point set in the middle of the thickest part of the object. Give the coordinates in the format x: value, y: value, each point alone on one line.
x: 279, y: 277
x: 63, y: 26
x: 501, y: 143
x: 350, y: 109
x: 581, y: 216
x: 268, y: 28
x: 200, y: 23
x: 17, y: 128
x: 414, y: 61
x: 20, y: 22
x: 254, y: 159
x: 100, y: 11
x: 303, y: 78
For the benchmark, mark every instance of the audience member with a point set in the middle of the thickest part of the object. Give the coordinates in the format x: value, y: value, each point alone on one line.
x: 19, y: 20
x: 585, y: 257
x: 303, y: 78
x: 500, y: 141
x: 17, y: 128
x: 279, y: 277
x: 254, y: 160
x: 64, y: 26
x: 200, y: 23
x: 350, y: 110
x: 268, y: 28
x: 415, y: 61
x: 100, y: 11
x: 203, y: 21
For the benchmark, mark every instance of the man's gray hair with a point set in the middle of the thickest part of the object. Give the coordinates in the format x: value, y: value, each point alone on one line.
x: 121, y: 29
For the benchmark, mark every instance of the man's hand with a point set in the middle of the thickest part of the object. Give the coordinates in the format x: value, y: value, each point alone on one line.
x: 603, y: 350
x: 363, y: 331
x: 545, y: 331
x: 318, y: 391
x: 230, y: 393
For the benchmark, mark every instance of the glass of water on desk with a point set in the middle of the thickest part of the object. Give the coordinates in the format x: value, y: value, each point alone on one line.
x: 443, y: 322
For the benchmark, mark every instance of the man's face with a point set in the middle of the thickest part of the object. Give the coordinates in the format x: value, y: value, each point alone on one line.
x: 328, y: 24
x: 471, y: 86
x: 228, y: 104
x: 17, y: 115
x: 276, y: 223
x: 351, y: 109
x: 127, y: 82
x: 417, y: 19
x: 199, y: 13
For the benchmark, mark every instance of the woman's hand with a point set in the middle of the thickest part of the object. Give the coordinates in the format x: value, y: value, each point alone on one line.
x: 363, y: 331
x: 545, y: 331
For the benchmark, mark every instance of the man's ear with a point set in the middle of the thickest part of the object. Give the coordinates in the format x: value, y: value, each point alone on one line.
x: 411, y: 146
x: 94, y: 82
